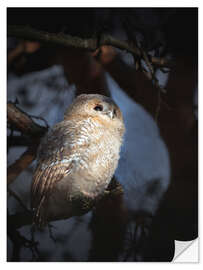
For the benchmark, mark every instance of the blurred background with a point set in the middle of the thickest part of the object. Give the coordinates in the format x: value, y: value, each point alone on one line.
x: 158, y: 164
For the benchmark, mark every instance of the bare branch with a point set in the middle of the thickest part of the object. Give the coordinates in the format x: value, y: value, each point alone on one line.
x: 23, y: 122
x: 26, y: 32
x: 23, y: 162
x: 161, y: 62
x: 15, y: 195
x: 20, y: 241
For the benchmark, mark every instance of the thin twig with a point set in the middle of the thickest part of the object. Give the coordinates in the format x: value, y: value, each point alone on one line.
x: 147, y: 61
x: 20, y: 241
x: 12, y: 193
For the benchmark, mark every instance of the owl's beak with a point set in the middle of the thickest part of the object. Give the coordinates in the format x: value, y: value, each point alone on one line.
x: 110, y: 114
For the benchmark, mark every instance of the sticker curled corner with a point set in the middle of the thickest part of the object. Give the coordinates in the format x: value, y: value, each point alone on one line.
x: 186, y: 251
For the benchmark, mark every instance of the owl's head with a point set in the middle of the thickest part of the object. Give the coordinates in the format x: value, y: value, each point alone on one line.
x: 99, y: 107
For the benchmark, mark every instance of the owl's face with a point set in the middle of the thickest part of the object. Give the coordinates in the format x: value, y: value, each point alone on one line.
x: 99, y: 107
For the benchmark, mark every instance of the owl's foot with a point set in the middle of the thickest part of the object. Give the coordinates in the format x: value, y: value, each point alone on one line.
x: 114, y: 188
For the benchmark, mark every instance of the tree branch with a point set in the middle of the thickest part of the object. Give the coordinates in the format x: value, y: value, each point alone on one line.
x: 23, y: 122
x: 15, y: 195
x: 23, y: 162
x: 26, y: 32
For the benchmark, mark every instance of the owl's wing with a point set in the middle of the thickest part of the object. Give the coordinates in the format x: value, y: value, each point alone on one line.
x: 44, y: 179
x: 54, y: 163
x: 43, y: 182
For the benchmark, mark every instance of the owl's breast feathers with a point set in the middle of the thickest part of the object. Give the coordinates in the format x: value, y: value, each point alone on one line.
x: 81, y: 155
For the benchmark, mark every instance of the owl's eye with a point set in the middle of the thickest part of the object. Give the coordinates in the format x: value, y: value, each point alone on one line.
x: 98, y: 108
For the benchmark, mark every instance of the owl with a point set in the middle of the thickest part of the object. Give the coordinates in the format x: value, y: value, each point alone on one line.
x: 77, y: 159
